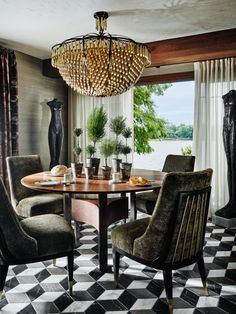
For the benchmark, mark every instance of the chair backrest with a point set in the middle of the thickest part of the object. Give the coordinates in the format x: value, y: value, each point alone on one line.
x: 14, y: 242
x: 17, y: 168
x: 178, y: 163
x: 177, y: 226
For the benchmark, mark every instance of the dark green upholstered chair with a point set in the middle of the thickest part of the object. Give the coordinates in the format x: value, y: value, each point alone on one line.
x: 145, y: 201
x: 173, y: 236
x: 28, y: 202
x: 32, y: 239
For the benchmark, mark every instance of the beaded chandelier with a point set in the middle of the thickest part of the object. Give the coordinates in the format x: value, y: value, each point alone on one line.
x: 100, y: 64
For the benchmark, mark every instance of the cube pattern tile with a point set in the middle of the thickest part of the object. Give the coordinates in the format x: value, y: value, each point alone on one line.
x: 42, y: 287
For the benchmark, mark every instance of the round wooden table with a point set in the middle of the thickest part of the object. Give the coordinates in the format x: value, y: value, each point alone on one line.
x: 102, y: 188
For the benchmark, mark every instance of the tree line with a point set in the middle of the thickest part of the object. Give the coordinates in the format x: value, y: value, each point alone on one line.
x: 147, y: 125
x: 182, y: 131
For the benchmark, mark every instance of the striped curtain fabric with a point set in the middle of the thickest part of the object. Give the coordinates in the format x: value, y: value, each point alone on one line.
x: 8, y: 108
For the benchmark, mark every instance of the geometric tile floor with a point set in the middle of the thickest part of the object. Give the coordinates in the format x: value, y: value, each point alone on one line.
x: 40, y: 287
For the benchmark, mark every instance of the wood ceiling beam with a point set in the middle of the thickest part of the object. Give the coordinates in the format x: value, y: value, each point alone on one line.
x: 202, y: 47
x: 207, y: 46
x: 166, y: 78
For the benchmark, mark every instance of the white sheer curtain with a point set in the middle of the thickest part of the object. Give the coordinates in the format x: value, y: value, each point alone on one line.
x: 79, y: 108
x: 213, y: 79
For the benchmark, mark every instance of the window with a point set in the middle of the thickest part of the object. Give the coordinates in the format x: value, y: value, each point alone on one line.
x: 176, y: 107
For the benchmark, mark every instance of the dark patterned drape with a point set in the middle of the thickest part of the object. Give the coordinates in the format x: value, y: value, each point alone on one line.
x: 8, y: 108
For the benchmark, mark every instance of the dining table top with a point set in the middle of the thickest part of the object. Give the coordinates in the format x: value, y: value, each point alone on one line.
x: 39, y: 181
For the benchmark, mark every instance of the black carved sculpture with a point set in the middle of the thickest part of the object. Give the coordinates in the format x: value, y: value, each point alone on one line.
x: 229, y: 137
x: 55, y: 132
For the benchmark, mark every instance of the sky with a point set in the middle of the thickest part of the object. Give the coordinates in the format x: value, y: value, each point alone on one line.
x: 177, y: 104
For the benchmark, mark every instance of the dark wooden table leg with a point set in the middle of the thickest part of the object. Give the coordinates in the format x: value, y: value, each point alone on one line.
x: 102, y: 238
x: 133, y: 210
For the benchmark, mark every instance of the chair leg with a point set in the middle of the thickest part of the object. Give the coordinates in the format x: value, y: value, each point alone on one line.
x: 3, y: 275
x: 202, y: 271
x: 169, y: 288
x: 77, y: 232
x: 70, y: 267
x: 116, y: 263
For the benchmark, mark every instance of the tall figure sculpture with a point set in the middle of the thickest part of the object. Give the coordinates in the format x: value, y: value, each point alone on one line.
x: 229, y: 138
x: 55, y: 132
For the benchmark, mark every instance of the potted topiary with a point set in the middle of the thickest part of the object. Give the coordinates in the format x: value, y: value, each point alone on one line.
x: 106, y: 150
x: 90, y: 151
x: 77, y: 151
x: 126, y: 149
x: 96, y: 131
x: 117, y: 126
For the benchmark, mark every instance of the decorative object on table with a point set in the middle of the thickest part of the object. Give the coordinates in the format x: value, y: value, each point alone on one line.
x: 106, y: 150
x: 223, y: 215
x: 89, y: 172
x: 77, y: 151
x: 116, y: 177
x: 117, y: 126
x: 125, y: 150
x: 138, y: 181
x: 59, y: 170
x: 96, y: 131
x: 55, y: 132
x: 174, y: 237
x: 90, y: 151
x: 125, y: 170
x: 100, y: 64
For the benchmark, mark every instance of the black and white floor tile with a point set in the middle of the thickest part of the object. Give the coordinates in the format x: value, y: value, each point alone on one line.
x: 42, y: 288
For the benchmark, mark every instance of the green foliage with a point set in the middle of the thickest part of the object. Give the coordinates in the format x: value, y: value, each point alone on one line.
x: 117, y: 148
x: 186, y: 151
x: 77, y: 132
x: 179, y: 131
x: 125, y: 150
x: 117, y: 125
x: 90, y: 150
x: 107, y: 148
x: 96, y: 124
x: 127, y: 133
x: 77, y: 149
x: 147, y: 125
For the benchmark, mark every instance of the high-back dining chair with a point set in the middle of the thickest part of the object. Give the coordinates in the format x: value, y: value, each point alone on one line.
x: 28, y: 202
x: 145, y: 201
x: 173, y: 236
x: 33, y: 239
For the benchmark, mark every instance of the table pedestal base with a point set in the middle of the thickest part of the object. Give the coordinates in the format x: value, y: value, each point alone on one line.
x: 100, y: 214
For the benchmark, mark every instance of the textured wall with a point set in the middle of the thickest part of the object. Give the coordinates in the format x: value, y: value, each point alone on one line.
x: 34, y: 91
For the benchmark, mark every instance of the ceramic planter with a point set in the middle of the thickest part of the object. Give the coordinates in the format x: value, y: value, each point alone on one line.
x: 78, y: 169
x: 106, y: 172
x: 93, y: 162
x: 125, y: 170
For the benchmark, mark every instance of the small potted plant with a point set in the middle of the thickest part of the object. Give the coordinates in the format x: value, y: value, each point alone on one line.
x: 77, y: 151
x: 96, y: 131
x: 117, y: 126
x: 90, y: 151
x: 126, y: 149
x: 106, y: 150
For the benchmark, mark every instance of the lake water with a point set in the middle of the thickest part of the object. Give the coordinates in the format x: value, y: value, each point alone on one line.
x: 156, y: 159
